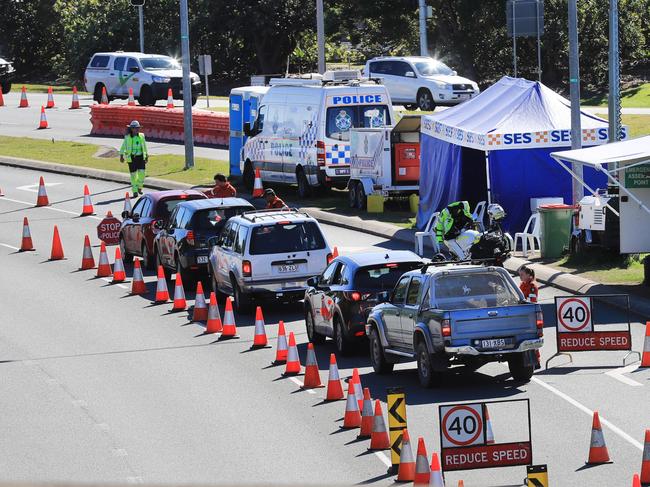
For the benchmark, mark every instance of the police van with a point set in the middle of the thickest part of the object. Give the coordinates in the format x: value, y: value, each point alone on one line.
x: 302, y: 131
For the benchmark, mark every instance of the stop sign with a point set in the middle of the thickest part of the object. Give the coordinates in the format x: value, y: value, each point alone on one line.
x: 108, y: 230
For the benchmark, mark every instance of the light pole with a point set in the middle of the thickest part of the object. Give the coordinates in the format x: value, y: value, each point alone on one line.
x: 574, y: 87
x: 614, y: 101
x: 187, y: 87
x: 422, y: 10
x: 320, y: 35
x: 141, y: 22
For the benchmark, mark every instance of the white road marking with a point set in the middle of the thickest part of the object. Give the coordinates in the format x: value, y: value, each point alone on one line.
x: 9, y: 246
x: 385, y: 460
x: 110, y: 281
x: 31, y: 205
x: 618, y: 375
x: 297, y: 381
x: 33, y: 188
x: 589, y: 412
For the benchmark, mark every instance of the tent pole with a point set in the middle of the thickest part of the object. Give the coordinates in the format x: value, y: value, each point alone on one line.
x: 487, y: 177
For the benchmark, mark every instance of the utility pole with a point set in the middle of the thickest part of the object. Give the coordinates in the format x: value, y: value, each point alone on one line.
x: 574, y: 87
x: 424, y: 51
x: 320, y: 35
x: 187, y: 87
x: 514, y: 37
x: 614, y: 101
x: 141, y: 22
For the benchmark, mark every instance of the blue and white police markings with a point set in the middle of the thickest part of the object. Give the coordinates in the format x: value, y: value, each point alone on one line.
x: 355, y: 99
x: 281, y: 149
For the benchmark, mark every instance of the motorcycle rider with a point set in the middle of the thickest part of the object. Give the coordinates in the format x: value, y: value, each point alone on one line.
x: 454, y: 229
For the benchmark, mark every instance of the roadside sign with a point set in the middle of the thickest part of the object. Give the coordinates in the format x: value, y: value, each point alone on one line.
x: 205, y: 64
x: 573, y: 314
x: 396, y: 401
x: 108, y: 230
x: 537, y: 476
x: 462, y: 425
x: 638, y: 176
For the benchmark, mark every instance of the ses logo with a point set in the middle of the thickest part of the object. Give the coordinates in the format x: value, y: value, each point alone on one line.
x: 554, y: 136
x: 356, y: 99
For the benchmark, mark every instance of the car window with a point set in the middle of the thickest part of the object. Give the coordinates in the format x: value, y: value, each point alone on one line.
x: 378, y: 67
x: 132, y: 64
x: 230, y: 236
x: 185, y: 219
x: 284, y: 237
x: 160, y: 62
x: 381, y: 277
x: 400, y: 290
x: 177, y: 217
x: 146, y: 210
x: 414, y: 290
x: 99, y: 61
x: 138, y: 207
x: 224, y: 234
x: 240, y: 243
x: 400, y: 68
x: 433, y: 66
x: 474, y: 290
x: 339, y: 120
x: 337, y: 278
x: 119, y: 63
x: 328, y: 273
x: 260, y: 118
x: 165, y: 207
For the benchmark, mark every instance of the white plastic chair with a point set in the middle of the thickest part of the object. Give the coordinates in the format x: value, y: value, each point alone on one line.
x: 429, y: 231
x: 479, y: 215
x: 530, y: 237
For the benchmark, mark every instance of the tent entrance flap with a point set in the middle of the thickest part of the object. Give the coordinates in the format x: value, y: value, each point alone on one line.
x: 473, y: 176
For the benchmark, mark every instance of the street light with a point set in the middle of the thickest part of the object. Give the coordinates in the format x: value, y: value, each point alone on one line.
x: 140, y: 5
x: 187, y: 87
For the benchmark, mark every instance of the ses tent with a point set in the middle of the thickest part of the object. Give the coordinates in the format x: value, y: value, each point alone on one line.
x: 497, y: 146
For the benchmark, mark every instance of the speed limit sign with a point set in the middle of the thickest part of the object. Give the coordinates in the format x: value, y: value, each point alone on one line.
x: 462, y: 425
x: 573, y: 314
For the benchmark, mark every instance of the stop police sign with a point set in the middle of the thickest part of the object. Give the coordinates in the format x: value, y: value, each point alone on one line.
x: 108, y: 230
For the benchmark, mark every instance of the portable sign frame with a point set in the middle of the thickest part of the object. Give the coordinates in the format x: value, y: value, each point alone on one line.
x: 396, y: 405
x: 477, y: 446
x: 575, y: 329
x: 537, y: 476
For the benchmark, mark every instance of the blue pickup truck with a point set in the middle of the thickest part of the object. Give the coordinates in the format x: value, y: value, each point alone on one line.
x: 446, y: 315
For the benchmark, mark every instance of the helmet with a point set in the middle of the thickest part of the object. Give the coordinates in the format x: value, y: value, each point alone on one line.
x: 496, y: 212
x: 134, y: 125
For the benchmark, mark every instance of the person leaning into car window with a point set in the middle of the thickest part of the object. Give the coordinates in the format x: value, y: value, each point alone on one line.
x: 222, y: 188
x: 272, y: 201
x: 134, y: 150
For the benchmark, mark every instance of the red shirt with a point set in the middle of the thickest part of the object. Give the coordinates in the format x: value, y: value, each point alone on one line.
x: 276, y: 203
x: 530, y: 290
x: 224, y: 191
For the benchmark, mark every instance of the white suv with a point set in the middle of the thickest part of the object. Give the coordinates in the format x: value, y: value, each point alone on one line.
x: 150, y: 76
x: 421, y: 82
x: 268, y: 254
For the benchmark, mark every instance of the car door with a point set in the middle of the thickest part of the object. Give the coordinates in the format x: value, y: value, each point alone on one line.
x: 143, y: 227
x: 226, y: 255
x: 320, y: 298
x: 410, y: 312
x: 401, y: 82
x: 178, y: 244
x: 131, y: 77
x: 392, y: 314
x: 391, y: 79
x: 166, y: 242
x: 116, y: 75
x: 132, y: 228
x: 273, y: 143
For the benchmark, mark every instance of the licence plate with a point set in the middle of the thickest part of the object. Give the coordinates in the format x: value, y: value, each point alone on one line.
x: 202, y: 259
x: 342, y: 172
x: 288, y: 268
x: 464, y: 96
x: 496, y: 343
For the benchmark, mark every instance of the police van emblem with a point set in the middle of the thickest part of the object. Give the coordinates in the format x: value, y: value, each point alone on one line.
x: 343, y: 121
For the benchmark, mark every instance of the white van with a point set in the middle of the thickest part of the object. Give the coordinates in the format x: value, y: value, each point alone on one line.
x: 302, y: 130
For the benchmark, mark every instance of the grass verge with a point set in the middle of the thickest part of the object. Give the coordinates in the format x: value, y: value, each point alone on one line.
x: 602, y: 266
x: 36, y: 88
x: 637, y: 97
x: 638, y: 124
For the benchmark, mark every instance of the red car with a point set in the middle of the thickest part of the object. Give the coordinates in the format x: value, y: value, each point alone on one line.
x: 137, y: 231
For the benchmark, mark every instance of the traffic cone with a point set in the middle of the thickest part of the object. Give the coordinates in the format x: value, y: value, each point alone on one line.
x: 88, y: 204
x: 636, y: 481
x: 598, y: 453
x: 75, y: 99
x: 170, y: 98
x: 645, y: 460
x: 50, y: 98
x: 312, y: 374
x: 42, y: 124
x: 281, y: 349
x: 366, y: 415
x: 352, y: 417
x: 645, y: 358
x: 118, y: 267
x: 104, y: 267
x: 422, y: 469
x: 180, y: 303
x: 292, y: 366
x: 334, y: 388
x: 23, y: 98
x: 259, y: 340
x: 138, y: 285
x: 200, y: 311
x: 436, y: 479
x: 229, y: 326
x: 109, y: 214
x: 379, y: 436
x: 258, y: 189
x: 104, y: 96
x: 335, y: 252
x: 57, y: 248
x: 489, y: 435
x: 131, y: 101
x: 162, y: 294
x: 461, y: 483
x: 2, y: 98
x: 358, y: 390
x: 41, y: 199
x: 26, y: 243
x: 406, y: 469
x: 213, y: 324
x: 87, y: 259
x: 127, y: 203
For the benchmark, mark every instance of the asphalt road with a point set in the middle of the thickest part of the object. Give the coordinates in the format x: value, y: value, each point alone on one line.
x: 101, y: 386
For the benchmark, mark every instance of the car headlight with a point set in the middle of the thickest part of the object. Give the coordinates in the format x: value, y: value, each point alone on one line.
x: 475, y: 86
x: 160, y: 79
x: 442, y: 86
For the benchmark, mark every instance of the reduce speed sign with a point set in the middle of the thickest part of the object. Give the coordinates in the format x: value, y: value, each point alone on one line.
x: 462, y: 425
x: 573, y: 314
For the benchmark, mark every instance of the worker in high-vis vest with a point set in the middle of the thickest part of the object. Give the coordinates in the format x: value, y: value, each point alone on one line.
x: 134, y: 151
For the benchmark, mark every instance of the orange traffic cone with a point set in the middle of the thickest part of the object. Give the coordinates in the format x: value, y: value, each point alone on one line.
x: 436, y: 479
x: 42, y: 124
x: 358, y: 390
x: 57, y: 248
x: 229, y: 326
x: 292, y: 366
x: 180, y: 303
x: 645, y: 358
x: 104, y: 267
x: 312, y: 374
x: 88, y: 204
x: 26, y: 243
x: 23, y: 98
x: 127, y: 203
x: 379, y: 436
x: 335, y: 252
x: 636, y: 481
x: 422, y: 469
x: 50, y: 98
x: 489, y: 435
x: 598, y: 453
x: 104, y: 96
x: 75, y: 99
x: 138, y: 285
x: 406, y: 469
x: 352, y: 418
x: 366, y: 415
x: 258, y: 189
x: 200, y: 311
x: 213, y: 325
x: 131, y: 101
x: 162, y: 294
x: 259, y: 340
x: 2, y: 98
x: 41, y: 199
x: 118, y: 267
x: 461, y: 483
x: 87, y: 259
x: 281, y: 349
x: 109, y: 214
x: 170, y: 98
x: 645, y: 460
x: 334, y: 388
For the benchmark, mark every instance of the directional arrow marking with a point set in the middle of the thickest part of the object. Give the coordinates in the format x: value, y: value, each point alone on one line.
x: 393, y: 410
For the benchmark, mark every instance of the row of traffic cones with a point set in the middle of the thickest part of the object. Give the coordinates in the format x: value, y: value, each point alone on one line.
x: 24, y: 102
x: 43, y: 200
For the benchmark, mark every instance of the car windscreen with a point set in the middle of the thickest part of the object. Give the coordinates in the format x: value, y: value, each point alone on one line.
x: 382, y: 277
x: 286, y: 237
x: 341, y: 119
x: 165, y: 207
x: 159, y: 63
x: 467, y: 290
x: 430, y: 68
x: 213, y: 220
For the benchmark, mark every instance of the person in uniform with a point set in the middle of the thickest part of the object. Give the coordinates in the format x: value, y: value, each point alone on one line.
x: 272, y: 200
x: 222, y: 188
x: 134, y: 151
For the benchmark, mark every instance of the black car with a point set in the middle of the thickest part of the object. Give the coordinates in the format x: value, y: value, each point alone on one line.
x: 338, y: 301
x: 7, y: 72
x: 182, y: 245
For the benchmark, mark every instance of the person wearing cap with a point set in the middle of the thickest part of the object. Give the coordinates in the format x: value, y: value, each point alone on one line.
x: 134, y: 151
x: 272, y: 201
x: 222, y: 188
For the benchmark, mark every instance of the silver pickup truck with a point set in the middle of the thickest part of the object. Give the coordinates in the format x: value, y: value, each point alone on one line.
x: 443, y: 315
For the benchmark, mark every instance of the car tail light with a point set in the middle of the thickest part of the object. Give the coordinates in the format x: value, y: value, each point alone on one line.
x: 446, y: 328
x: 391, y: 265
x: 182, y: 196
x: 539, y: 321
x: 320, y: 153
x: 189, y: 238
x: 355, y: 296
x: 330, y: 258
x: 153, y: 225
x: 246, y: 268
x: 284, y: 222
x: 359, y: 333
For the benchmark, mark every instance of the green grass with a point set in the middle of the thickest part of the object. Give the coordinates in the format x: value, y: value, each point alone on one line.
x: 166, y: 166
x: 214, y: 97
x: 36, y: 88
x: 217, y: 109
x: 637, y: 97
x: 638, y: 124
x: 604, y: 267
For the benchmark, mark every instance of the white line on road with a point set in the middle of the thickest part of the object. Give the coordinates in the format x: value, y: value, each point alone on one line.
x: 618, y: 375
x: 33, y: 188
x: 110, y: 281
x: 9, y: 246
x: 382, y: 456
x: 589, y: 412
x: 297, y: 381
x: 31, y: 205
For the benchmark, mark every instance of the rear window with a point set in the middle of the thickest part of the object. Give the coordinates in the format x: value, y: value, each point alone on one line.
x: 99, y: 61
x: 474, y: 290
x: 341, y: 119
x: 381, y: 277
x: 166, y: 206
x: 280, y: 238
x: 213, y: 220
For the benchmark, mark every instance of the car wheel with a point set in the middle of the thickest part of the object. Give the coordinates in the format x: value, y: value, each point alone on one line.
x: 352, y: 195
x: 126, y: 257
x: 242, y: 300
x: 146, y: 98
x: 425, y: 100
x: 313, y: 336
x: 519, y: 371
x: 304, y: 190
x: 6, y: 87
x: 248, y: 176
x: 377, y: 356
x: 97, y: 94
x: 362, y: 200
x: 427, y: 375
x: 168, y: 273
x: 147, y: 261
x: 343, y: 345
x: 186, y: 277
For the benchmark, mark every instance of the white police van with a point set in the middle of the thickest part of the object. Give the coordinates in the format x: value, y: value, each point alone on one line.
x: 302, y: 130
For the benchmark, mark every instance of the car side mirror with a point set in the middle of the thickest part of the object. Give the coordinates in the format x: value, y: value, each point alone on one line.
x: 383, y: 297
x: 454, y: 73
x: 213, y: 241
x: 125, y: 215
x: 134, y: 69
x: 410, y: 74
x: 247, y: 129
x: 312, y: 281
x: 158, y: 224
x: 135, y: 217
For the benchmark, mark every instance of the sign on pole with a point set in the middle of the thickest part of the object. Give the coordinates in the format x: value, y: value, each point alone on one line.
x: 205, y: 69
x: 573, y: 314
x: 108, y: 230
x: 396, y: 401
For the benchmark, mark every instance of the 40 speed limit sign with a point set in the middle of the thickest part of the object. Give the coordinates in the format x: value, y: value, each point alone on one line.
x: 462, y: 425
x: 573, y: 314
